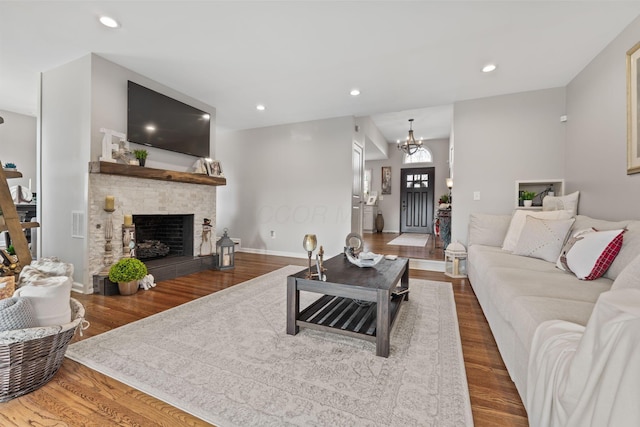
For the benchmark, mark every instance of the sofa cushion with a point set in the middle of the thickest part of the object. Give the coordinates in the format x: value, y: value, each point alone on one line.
x: 490, y: 230
x: 589, y: 253
x: 629, y: 277
x: 532, y: 311
x: 559, y: 203
x: 518, y: 221
x: 50, y: 299
x: 543, y: 238
x: 16, y: 313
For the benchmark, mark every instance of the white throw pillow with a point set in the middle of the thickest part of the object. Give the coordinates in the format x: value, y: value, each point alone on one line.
x: 589, y: 253
x: 517, y: 224
x: 543, y: 238
x: 559, y: 203
x: 629, y: 277
x: 50, y: 299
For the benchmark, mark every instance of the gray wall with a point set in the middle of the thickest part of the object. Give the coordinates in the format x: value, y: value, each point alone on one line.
x: 596, y: 144
x: 77, y: 100
x: 65, y: 152
x: 291, y: 179
x: 500, y: 140
x: 18, y: 145
x: 390, y: 203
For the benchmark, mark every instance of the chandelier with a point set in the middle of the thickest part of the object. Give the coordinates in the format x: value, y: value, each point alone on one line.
x: 410, y: 146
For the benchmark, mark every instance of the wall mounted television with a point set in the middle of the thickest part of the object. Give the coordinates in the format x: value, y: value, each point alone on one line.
x: 156, y: 120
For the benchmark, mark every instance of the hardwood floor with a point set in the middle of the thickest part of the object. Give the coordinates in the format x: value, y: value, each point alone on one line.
x: 377, y: 243
x: 79, y: 396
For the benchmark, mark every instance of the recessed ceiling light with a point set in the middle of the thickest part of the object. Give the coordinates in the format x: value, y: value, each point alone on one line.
x: 354, y: 92
x: 260, y: 107
x: 489, y: 68
x: 108, y: 21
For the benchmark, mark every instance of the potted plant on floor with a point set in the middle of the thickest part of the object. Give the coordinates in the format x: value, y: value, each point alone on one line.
x: 141, y: 155
x: 127, y: 272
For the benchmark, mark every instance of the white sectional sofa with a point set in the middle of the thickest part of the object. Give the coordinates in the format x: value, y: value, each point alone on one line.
x: 518, y: 293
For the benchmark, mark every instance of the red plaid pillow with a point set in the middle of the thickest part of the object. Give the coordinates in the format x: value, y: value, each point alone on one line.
x: 589, y: 253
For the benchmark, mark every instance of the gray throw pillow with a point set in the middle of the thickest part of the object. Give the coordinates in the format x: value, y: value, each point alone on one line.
x: 16, y: 313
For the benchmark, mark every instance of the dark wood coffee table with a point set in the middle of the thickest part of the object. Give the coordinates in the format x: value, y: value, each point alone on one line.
x: 358, y: 302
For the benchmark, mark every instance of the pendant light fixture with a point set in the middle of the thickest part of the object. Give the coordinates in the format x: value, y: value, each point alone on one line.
x: 410, y: 146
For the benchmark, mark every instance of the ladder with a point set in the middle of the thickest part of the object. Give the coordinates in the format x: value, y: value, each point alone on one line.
x: 12, y: 222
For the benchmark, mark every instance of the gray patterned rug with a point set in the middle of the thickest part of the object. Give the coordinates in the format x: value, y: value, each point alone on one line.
x: 227, y: 359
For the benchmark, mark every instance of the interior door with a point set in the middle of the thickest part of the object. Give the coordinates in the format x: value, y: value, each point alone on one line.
x: 356, y: 191
x: 416, y: 200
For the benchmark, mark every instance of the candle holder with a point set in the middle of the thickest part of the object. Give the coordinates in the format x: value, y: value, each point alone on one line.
x: 108, y: 235
x: 309, y: 243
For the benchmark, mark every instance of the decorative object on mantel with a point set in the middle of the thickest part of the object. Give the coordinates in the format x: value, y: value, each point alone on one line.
x: 309, y: 243
x: 225, y: 248
x: 410, y: 146
x: 113, y: 152
x: 215, y: 168
x: 141, y: 155
x: 127, y: 272
x: 128, y: 239
x: 201, y: 166
x: 206, y: 247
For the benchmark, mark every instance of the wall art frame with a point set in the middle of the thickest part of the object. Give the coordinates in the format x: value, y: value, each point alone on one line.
x: 633, y: 119
x: 386, y: 180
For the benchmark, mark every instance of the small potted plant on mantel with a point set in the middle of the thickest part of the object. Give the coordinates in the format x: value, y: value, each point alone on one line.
x: 127, y: 272
x: 141, y: 155
x: 9, y: 166
x: 527, y: 198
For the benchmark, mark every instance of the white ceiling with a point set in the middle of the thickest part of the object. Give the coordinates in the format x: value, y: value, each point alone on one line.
x: 301, y: 58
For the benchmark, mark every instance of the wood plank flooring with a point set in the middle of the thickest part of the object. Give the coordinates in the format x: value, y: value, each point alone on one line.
x: 79, y: 396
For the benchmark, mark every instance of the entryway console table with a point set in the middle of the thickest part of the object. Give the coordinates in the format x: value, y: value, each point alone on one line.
x: 357, y: 302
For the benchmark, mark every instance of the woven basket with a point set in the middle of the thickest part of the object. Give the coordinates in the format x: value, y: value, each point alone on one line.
x: 29, y: 358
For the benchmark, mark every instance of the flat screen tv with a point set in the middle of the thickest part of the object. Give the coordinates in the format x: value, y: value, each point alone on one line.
x: 156, y: 120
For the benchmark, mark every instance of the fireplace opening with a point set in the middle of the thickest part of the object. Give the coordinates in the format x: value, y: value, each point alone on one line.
x: 159, y: 236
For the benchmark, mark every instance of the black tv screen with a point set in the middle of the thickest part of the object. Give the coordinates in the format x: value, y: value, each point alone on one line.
x: 155, y: 120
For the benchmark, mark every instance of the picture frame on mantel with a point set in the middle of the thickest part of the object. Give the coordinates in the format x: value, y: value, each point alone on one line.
x: 633, y: 119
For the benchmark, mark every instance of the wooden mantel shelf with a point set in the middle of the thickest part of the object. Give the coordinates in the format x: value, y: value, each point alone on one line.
x: 158, y: 174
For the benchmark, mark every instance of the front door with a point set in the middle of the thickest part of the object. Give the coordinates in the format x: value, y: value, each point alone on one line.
x: 416, y: 200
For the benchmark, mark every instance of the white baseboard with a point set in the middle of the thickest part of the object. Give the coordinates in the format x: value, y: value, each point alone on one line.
x: 274, y: 253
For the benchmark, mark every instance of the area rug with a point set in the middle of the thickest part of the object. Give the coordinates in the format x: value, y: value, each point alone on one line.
x: 227, y: 359
x: 410, y: 239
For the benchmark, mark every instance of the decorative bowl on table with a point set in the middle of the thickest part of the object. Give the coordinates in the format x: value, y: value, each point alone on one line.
x: 364, y: 259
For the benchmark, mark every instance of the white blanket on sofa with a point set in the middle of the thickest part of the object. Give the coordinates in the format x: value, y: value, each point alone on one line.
x: 588, y: 376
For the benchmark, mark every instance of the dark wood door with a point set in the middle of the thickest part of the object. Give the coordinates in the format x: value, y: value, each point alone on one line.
x: 416, y: 200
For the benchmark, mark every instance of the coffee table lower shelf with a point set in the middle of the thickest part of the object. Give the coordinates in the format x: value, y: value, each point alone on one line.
x: 346, y: 316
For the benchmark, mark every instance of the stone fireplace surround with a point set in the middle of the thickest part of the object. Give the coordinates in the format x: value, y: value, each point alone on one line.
x: 138, y: 196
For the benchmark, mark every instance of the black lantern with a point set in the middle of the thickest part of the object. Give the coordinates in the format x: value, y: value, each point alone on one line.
x: 225, y: 249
